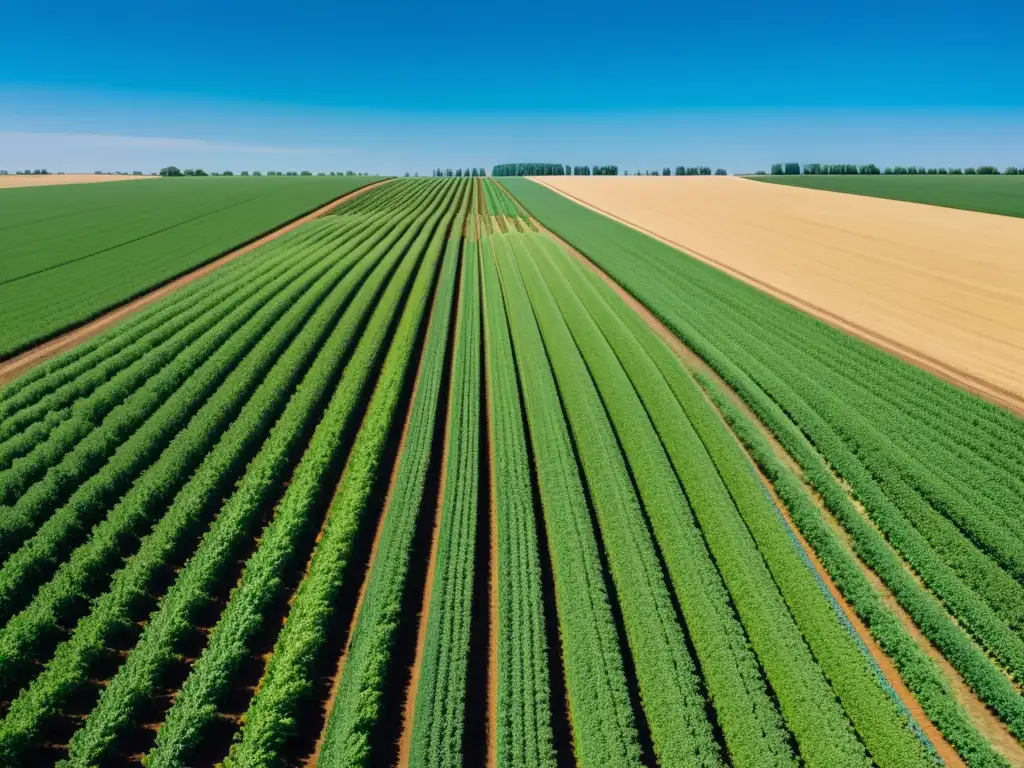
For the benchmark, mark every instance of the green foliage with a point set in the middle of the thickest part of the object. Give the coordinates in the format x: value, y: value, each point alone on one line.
x: 1002, y: 194
x: 288, y: 681
x: 53, y: 277
x: 439, y: 707
x: 358, y: 704
x: 912, y: 448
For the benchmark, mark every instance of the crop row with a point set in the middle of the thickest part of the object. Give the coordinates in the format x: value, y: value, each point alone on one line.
x: 439, y: 707
x: 772, y: 356
x: 287, y: 683
x: 358, y: 705
x: 73, y: 251
x: 68, y: 671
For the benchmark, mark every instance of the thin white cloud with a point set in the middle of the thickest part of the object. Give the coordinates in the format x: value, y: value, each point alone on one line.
x: 113, y: 141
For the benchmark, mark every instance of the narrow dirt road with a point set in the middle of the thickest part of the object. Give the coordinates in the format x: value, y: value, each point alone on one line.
x: 941, y: 288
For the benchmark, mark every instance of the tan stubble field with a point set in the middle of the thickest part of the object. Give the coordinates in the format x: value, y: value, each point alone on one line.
x: 943, y: 288
x: 54, y: 179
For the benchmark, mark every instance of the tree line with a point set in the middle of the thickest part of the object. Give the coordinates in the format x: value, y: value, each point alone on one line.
x: 819, y: 169
x: 553, y: 169
x: 458, y: 173
x: 173, y: 171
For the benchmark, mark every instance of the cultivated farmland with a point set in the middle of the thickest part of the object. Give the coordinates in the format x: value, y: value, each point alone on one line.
x: 419, y: 484
x: 986, y: 193
x: 71, y: 252
x: 943, y: 288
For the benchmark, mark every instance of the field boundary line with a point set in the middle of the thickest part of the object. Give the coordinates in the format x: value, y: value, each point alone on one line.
x: 962, y: 379
x: 22, y: 362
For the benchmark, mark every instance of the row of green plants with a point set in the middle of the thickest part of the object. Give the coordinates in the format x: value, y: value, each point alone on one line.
x: 359, y: 704
x: 604, y: 729
x: 877, y: 721
x: 712, y: 304
x: 667, y: 677
x: 62, y: 600
x: 439, y: 708
x: 524, y: 735
x: 139, y: 677
x: 105, y: 464
x: 751, y: 724
x: 69, y: 669
x: 271, y: 719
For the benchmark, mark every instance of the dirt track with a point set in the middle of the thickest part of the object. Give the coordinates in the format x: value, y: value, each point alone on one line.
x: 12, y: 368
x: 942, y: 288
x: 55, y: 179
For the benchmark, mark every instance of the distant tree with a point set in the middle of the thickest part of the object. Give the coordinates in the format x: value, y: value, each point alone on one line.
x: 1011, y: 171
x: 792, y: 169
x: 666, y: 171
x: 721, y: 172
x: 988, y: 170
x: 170, y: 170
x: 199, y: 172
x: 228, y: 173
x: 760, y: 173
x: 257, y: 173
x: 458, y: 173
x: 970, y: 171
x: 306, y: 173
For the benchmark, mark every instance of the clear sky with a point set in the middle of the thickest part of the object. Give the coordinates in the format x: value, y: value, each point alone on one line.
x: 396, y: 86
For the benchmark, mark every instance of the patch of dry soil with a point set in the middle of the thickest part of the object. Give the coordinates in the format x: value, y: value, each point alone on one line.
x: 942, y: 288
x: 54, y: 179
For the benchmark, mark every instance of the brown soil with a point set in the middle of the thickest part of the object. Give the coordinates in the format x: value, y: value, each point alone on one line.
x: 492, y: 651
x: 986, y: 722
x: 938, y: 287
x: 57, y: 179
x: 16, y: 366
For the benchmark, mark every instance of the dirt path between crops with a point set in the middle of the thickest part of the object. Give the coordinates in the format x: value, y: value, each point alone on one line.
x: 492, y: 651
x: 16, y: 366
x: 885, y: 664
x: 59, y: 179
x: 942, y: 289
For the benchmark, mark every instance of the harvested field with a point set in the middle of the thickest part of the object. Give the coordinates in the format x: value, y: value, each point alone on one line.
x: 56, y: 179
x: 942, y: 287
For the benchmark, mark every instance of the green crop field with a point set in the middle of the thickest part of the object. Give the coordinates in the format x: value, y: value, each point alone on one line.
x: 71, y: 252
x: 416, y: 484
x: 989, y: 194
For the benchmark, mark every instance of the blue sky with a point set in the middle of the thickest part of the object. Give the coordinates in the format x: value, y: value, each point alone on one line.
x: 390, y: 87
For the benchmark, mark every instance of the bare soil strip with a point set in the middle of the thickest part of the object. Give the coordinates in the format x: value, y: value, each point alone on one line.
x: 59, y: 179
x: 16, y: 366
x: 944, y: 344
x: 492, y: 651
x: 983, y: 719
